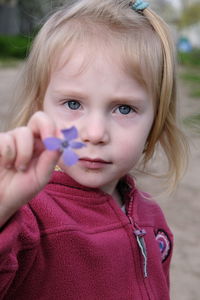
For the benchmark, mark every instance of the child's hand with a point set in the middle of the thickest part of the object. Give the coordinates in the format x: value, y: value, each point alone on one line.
x: 25, y: 165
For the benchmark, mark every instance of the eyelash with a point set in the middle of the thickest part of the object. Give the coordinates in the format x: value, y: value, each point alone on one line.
x: 125, y: 106
x: 75, y: 102
x: 77, y: 105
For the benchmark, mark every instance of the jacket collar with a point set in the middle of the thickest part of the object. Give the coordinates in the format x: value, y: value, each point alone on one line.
x: 61, y: 180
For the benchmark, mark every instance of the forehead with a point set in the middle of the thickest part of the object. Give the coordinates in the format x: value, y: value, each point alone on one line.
x: 78, y: 57
x: 135, y: 47
x: 86, y: 66
x: 139, y: 56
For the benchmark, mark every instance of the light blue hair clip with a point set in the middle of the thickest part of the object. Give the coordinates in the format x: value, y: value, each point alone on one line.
x: 139, y: 5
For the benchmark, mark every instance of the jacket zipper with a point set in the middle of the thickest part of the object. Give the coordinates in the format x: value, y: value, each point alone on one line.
x: 139, y: 235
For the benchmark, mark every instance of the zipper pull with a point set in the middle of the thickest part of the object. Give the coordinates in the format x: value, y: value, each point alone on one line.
x: 139, y: 233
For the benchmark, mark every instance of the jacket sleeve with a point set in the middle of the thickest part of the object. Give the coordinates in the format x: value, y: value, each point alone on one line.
x: 165, y: 241
x: 18, y: 234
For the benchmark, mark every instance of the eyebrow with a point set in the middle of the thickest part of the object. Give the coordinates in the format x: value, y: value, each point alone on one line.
x: 131, y: 98
x: 69, y: 93
x: 128, y: 99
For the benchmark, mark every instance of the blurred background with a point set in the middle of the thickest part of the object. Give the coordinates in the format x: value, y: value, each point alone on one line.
x: 20, y: 21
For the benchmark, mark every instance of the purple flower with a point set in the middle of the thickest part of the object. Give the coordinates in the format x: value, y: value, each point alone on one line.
x: 66, y: 145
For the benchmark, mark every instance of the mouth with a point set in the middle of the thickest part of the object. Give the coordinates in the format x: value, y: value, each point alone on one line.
x: 93, y: 163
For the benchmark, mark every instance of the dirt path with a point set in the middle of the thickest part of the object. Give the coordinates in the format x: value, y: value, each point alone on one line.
x: 183, y: 212
x: 182, y: 209
x: 7, y: 84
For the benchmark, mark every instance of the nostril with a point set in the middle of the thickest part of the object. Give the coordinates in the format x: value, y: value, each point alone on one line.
x: 95, y: 138
x: 95, y: 130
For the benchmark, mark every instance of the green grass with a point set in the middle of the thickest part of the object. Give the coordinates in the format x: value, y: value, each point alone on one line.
x: 14, y: 47
x: 189, y: 59
x: 10, y: 62
x: 191, y: 77
x: 193, y: 121
x: 195, y: 93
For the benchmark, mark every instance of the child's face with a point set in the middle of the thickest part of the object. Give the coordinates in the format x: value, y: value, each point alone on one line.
x: 111, y: 110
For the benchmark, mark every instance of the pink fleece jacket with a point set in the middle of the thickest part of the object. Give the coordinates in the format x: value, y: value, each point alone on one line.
x: 71, y: 242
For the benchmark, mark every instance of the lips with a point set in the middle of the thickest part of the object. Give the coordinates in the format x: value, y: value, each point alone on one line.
x: 93, y: 163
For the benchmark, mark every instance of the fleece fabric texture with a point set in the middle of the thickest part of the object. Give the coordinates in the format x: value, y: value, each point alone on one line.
x: 71, y: 242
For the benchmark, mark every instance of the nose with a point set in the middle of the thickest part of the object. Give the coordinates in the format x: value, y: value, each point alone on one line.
x: 95, y: 130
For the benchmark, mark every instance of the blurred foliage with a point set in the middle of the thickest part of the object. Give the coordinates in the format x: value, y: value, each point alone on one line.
x: 28, y: 15
x: 165, y: 9
x: 193, y: 121
x: 191, y: 58
x: 14, y: 46
x: 195, y: 93
x: 190, y: 15
x: 191, y: 77
x: 8, y: 2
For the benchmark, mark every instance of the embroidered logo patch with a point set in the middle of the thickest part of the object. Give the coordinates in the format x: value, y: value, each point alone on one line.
x: 163, y: 243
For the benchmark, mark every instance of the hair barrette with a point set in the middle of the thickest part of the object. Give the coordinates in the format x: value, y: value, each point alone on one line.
x: 139, y: 5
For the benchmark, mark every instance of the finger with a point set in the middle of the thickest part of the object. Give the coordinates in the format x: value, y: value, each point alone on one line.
x: 41, y: 125
x: 46, y: 165
x: 7, y: 150
x: 24, y: 142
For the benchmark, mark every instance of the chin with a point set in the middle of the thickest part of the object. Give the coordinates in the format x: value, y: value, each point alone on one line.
x: 89, y: 181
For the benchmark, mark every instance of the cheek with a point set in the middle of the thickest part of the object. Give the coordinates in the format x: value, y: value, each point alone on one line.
x: 60, y: 122
x: 130, y: 152
x: 130, y: 147
x: 61, y: 117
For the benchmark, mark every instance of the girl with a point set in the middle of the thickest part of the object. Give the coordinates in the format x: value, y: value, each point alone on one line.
x: 85, y: 231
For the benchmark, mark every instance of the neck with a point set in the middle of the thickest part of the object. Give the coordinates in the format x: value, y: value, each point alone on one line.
x: 117, y: 197
x: 115, y: 193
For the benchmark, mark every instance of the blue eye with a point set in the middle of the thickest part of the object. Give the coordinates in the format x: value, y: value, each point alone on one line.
x: 73, y: 104
x: 125, y: 109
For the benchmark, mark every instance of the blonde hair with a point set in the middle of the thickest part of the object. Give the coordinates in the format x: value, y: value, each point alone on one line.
x: 147, y: 52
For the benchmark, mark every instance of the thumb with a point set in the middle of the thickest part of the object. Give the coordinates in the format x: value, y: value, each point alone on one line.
x: 46, y: 165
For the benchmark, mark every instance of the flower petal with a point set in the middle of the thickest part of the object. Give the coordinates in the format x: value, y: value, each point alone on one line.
x: 70, y: 134
x: 77, y: 145
x: 69, y: 157
x: 52, y: 143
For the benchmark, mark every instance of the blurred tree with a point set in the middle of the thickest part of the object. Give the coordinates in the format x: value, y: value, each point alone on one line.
x: 165, y: 9
x: 186, y: 3
x: 33, y: 13
x: 23, y: 16
x: 9, y: 17
x: 10, y: 2
x: 30, y: 15
x: 190, y: 15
